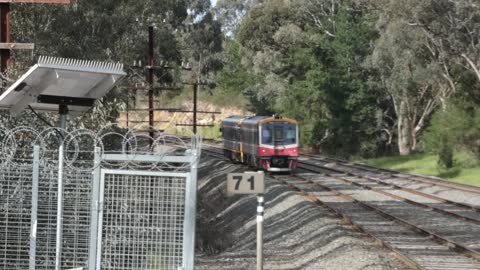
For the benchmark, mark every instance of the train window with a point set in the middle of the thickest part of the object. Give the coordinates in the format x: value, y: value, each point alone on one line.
x: 279, y: 133
x: 290, y: 134
x: 267, y: 134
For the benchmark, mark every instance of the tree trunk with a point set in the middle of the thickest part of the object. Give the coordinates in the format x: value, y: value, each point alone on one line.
x: 472, y: 65
x: 405, y: 131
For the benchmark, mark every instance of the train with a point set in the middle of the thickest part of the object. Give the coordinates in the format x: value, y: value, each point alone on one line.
x: 269, y: 143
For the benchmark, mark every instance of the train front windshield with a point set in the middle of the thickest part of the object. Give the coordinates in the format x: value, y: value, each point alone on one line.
x: 279, y: 133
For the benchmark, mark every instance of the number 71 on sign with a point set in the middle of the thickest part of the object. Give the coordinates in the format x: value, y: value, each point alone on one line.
x: 246, y: 183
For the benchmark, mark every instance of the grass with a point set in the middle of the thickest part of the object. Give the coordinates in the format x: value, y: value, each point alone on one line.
x: 206, y: 132
x: 466, y: 169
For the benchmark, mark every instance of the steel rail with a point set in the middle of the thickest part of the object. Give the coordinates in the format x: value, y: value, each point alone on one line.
x: 471, y: 252
x: 395, y: 174
x: 439, y: 210
x: 427, y: 195
x: 447, y: 242
x: 407, y: 261
x: 213, y: 153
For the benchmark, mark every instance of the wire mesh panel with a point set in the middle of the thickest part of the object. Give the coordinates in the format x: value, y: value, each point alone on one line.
x: 143, y: 220
x: 76, y: 219
x: 15, y: 213
x: 46, y: 219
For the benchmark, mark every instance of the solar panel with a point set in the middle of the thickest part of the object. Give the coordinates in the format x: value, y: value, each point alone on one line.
x: 53, y: 81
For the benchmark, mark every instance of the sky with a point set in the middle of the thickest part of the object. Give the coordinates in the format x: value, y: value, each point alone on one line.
x: 214, y: 2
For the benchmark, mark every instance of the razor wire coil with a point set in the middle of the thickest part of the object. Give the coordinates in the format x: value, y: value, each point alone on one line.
x: 80, y: 146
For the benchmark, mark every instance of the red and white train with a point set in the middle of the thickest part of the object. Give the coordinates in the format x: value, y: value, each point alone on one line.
x: 269, y: 143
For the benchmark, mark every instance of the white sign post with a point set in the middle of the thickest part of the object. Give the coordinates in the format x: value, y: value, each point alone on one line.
x: 251, y: 183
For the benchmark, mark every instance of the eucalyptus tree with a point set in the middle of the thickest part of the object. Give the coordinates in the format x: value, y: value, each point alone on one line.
x: 306, y: 61
x: 232, y: 12
x: 202, y: 46
x: 454, y: 29
x: 414, y: 73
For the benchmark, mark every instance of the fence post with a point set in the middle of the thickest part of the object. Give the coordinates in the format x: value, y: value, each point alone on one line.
x: 33, y: 223
x: 94, y: 211
x: 190, y: 209
x: 101, y: 197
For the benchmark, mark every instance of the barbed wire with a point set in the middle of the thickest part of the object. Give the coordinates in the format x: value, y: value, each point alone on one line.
x: 81, y: 145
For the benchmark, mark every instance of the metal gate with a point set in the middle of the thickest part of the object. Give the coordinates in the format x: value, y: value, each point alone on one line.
x: 146, y: 219
x: 142, y: 225
x: 125, y: 211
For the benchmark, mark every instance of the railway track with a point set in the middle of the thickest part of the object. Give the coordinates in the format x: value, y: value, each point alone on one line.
x: 417, y: 247
x: 409, y: 195
x: 366, y: 169
x: 424, y: 230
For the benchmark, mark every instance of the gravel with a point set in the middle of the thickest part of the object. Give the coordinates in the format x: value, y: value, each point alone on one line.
x: 297, y: 233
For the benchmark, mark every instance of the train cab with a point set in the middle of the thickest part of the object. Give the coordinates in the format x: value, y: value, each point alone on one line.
x: 269, y: 143
x: 278, y: 147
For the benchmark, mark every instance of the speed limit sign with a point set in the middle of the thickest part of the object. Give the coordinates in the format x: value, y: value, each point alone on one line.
x: 245, y: 183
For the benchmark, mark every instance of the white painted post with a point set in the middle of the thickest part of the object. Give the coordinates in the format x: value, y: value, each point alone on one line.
x: 260, y: 210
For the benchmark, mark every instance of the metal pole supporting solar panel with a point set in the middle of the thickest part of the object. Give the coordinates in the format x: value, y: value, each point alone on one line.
x: 58, y: 243
x: 33, y: 226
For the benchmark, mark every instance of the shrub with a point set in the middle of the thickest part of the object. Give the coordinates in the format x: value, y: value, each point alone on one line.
x: 453, y: 127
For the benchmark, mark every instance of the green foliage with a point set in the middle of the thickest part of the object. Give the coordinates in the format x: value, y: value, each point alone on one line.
x: 231, y: 12
x: 455, y: 127
x: 206, y: 132
x: 296, y: 69
x: 211, y: 132
x: 259, y: 27
x: 234, y: 79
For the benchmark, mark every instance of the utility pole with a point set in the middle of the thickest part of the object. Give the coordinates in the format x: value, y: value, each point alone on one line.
x: 195, y: 92
x: 4, y: 35
x: 151, y: 63
x: 151, y: 87
x: 5, y: 41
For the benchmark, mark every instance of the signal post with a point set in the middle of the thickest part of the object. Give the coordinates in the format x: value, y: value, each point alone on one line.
x: 251, y: 183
